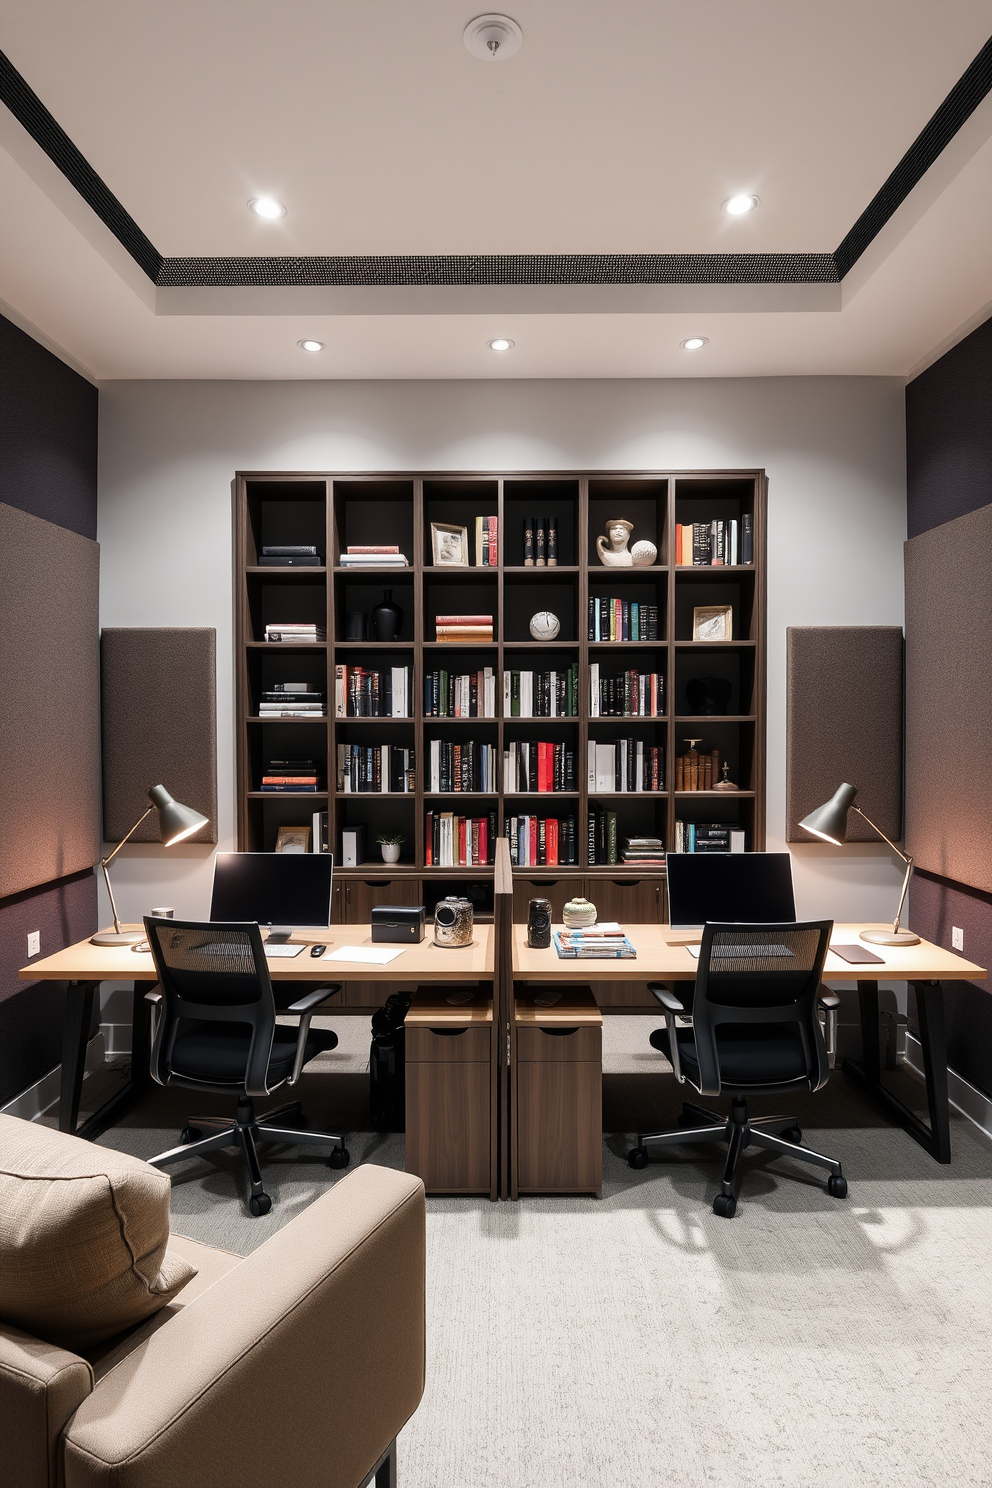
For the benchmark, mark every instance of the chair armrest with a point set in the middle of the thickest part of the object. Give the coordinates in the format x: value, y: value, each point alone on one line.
x: 673, y: 1009
x: 298, y: 1366
x: 154, y: 997
x: 666, y: 997
x: 311, y: 999
x: 829, y: 1001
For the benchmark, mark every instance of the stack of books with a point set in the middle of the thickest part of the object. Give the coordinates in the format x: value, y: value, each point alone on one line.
x: 385, y: 768
x: 647, y: 851
x: 693, y: 837
x: 602, y: 826
x: 452, y: 841
x: 468, y: 766
x: 295, y: 633
x: 603, y: 942
x: 486, y: 542
x: 540, y: 542
x: 300, y: 555
x: 462, y: 695
x: 464, y: 630
x: 540, y: 765
x: 373, y: 556
x: 625, y: 765
x: 622, y: 620
x: 714, y: 544
x: 696, y: 771
x: 541, y: 841
x: 541, y: 694
x: 288, y: 777
x: 291, y: 700
x: 361, y: 693
x: 626, y: 694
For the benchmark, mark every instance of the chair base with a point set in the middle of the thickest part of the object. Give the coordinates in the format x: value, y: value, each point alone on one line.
x: 246, y: 1131
x: 778, y: 1134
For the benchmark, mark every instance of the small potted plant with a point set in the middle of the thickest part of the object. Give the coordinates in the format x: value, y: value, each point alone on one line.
x: 390, y: 842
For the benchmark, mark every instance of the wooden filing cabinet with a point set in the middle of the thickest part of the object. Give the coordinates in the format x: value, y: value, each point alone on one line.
x: 450, y: 1092
x: 558, y: 1127
x: 631, y: 902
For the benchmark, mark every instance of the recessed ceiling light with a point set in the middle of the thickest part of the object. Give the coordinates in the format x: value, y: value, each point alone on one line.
x: 311, y: 345
x: 267, y: 207
x: 693, y: 343
x: 493, y: 37
x: 499, y: 343
x: 737, y: 206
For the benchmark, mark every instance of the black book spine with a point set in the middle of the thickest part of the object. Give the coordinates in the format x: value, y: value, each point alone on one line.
x: 747, y: 539
x: 541, y: 543
x: 552, y: 542
x: 528, y: 542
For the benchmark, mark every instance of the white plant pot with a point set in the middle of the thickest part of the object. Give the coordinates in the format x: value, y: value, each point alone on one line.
x: 390, y: 852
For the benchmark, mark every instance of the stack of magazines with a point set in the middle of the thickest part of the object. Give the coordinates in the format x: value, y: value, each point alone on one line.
x: 603, y: 942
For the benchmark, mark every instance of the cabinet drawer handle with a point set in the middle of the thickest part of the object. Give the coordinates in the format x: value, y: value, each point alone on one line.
x: 626, y: 883
x: 558, y: 1032
x: 447, y: 1032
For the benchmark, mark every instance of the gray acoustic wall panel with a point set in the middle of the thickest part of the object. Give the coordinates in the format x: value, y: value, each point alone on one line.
x: 159, y: 725
x: 845, y: 692
x: 49, y: 702
x: 949, y: 700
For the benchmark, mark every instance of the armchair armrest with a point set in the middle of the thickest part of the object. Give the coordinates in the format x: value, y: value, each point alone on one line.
x: 297, y: 1366
x: 313, y: 998
x: 673, y: 1009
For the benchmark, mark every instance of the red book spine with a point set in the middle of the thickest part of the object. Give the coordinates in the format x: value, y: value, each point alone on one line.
x: 483, y: 841
x: 533, y: 841
x: 462, y: 861
x: 463, y: 620
x: 551, y: 839
x: 429, y: 840
x: 373, y: 549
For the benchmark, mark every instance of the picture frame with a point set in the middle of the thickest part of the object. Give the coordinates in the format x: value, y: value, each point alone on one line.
x: 713, y: 623
x: 293, y: 840
x: 449, y: 545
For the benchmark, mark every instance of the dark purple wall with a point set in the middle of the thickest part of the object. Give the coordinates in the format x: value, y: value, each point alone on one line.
x: 48, y: 434
x: 949, y: 473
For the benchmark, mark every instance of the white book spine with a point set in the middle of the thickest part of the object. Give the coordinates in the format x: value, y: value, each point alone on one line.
x: 507, y: 689
x: 594, y: 690
x: 591, y: 765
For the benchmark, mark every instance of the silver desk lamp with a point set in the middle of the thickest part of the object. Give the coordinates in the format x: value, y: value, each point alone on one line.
x: 829, y: 821
x: 175, y: 821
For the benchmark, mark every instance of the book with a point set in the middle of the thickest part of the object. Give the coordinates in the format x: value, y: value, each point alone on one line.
x: 606, y: 950
x: 352, y: 846
x: 552, y: 541
x: 297, y: 560
x: 290, y: 550
x: 485, y: 542
x: 541, y: 543
x: 702, y: 544
x: 528, y: 542
x: 464, y: 620
x: 371, y: 548
x: 747, y: 538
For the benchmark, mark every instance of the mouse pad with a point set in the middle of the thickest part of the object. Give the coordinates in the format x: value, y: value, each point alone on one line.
x: 857, y: 955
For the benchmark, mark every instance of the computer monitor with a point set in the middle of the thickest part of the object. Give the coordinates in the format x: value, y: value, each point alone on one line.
x: 751, y: 887
x: 282, y: 890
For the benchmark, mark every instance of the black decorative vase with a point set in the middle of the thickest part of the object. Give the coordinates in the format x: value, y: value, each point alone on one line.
x: 356, y: 626
x: 708, y: 696
x: 539, y: 924
x: 387, y: 618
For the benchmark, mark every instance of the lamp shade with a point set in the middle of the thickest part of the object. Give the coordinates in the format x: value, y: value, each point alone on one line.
x: 829, y: 821
x: 175, y: 821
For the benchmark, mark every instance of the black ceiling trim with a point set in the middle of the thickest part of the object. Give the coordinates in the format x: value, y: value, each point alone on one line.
x: 509, y: 269
x: 967, y: 93
x: 29, y: 111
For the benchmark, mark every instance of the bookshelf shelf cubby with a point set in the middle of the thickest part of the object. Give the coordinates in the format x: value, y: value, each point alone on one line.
x: 336, y: 512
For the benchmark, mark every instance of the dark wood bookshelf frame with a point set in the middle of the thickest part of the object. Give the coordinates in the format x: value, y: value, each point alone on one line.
x: 357, y: 506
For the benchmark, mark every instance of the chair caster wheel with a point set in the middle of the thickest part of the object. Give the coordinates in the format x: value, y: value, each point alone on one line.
x: 794, y: 1134
x: 189, y: 1134
x: 837, y: 1186
x: 259, y: 1204
x: 339, y: 1158
x: 638, y: 1157
x: 725, y: 1205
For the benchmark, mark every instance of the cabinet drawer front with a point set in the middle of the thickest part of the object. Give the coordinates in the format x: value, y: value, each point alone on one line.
x: 448, y: 1126
x: 447, y: 1046
x: 559, y: 1045
x: 560, y: 1128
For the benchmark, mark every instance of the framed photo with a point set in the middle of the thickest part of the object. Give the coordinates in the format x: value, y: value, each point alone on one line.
x: 713, y: 623
x: 449, y: 545
x: 293, y: 840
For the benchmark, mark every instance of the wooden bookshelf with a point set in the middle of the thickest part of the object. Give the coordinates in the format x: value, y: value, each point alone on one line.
x: 332, y: 510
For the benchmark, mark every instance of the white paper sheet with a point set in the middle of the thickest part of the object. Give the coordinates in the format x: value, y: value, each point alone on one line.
x: 364, y: 955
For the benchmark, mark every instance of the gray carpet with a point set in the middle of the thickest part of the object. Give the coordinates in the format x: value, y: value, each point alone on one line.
x: 639, y: 1339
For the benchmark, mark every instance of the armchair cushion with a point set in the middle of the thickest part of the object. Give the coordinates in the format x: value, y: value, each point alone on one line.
x: 83, y: 1236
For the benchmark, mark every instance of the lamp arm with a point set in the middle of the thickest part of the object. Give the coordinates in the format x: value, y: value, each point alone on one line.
x: 900, y: 854
x: 104, y: 862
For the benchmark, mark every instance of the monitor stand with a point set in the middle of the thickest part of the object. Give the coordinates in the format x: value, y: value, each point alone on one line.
x: 279, y: 935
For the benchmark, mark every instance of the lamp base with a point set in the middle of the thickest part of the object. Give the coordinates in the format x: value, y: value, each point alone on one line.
x: 890, y: 937
x: 117, y: 937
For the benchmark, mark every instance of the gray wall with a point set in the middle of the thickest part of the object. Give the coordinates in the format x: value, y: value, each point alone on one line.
x: 833, y: 448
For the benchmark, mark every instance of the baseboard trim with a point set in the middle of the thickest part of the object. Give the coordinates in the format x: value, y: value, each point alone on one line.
x: 962, y: 1095
x: 44, y: 1093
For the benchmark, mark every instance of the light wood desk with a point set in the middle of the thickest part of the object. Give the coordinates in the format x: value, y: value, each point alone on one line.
x: 84, y: 966
x: 662, y: 956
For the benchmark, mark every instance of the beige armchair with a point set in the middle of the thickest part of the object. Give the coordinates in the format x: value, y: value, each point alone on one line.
x: 297, y: 1365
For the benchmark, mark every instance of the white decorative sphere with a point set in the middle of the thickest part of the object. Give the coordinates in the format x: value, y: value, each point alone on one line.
x: 643, y: 553
x: 544, y: 626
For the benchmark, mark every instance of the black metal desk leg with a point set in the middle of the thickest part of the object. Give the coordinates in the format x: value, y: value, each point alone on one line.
x: 870, y: 1052
x: 141, y: 1024
x: 75, y: 1034
x: 933, y: 1040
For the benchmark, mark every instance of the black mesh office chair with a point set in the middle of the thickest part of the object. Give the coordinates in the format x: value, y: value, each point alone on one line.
x: 214, y: 1028
x: 755, y: 1031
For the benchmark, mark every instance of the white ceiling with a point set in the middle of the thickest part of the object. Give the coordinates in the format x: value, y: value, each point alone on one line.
x: 617, y: 128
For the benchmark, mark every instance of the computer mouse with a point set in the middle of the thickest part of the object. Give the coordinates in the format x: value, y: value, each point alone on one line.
x: 317, y: 950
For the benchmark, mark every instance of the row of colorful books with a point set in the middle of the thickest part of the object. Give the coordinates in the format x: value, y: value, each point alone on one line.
x: 291, y: 700
x: 376, y: 767
x: 295, y: 633
x: 552, y: 694
x: 453, y: 841
x: 464, y: 630
x: 468, y: 765
x: 292, y: 777
x: 540, y: 542
x: 604, y: 941
x: 486, y: 542
x: 373, y: 556
x: 460, y: 695
x: 697, y: 771
x: 626, y: 694
x: 625, y: 765
x: 364, y: 692
x: 538, y: 765
x: 612, y: 619
x: 541, y: 841
x: 715, y: 544
x: 693, y: 837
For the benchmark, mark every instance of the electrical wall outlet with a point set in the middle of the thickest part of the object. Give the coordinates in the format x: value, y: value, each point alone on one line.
x: 34, y: 943
x: 957, y: 938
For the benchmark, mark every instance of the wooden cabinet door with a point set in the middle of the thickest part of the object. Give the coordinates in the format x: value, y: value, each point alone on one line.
x: 632, y: 902
x: 448, y: 1125
x: 560, y: 1127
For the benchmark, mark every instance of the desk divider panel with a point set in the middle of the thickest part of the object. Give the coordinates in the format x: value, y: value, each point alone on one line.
x: 503, y: 1007
x: 844, y: 723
